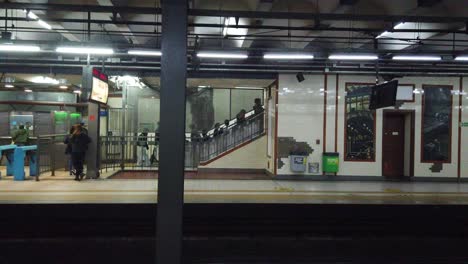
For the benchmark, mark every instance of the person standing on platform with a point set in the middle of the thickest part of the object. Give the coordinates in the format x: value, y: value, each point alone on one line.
x: 21, y: 136
x: 142, y: 149
x: 83, y: 127
x: 79, y: 142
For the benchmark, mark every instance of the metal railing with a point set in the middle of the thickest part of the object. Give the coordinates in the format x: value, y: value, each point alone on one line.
x: 125, y: 152
x: 231, y: 137
x: 135, y: 152
x: 51, y: 153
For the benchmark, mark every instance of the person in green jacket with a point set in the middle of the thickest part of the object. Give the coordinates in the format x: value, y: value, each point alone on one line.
x: 21, y: 136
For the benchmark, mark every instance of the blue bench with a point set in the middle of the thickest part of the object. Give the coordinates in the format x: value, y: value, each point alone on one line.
x: 18, y: 162
x: 8, y: 149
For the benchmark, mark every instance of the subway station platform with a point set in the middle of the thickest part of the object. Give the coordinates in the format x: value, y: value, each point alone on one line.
x: 62, y: 189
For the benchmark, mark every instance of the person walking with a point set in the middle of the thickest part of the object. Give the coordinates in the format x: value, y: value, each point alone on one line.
x: 21, y: 136
x: 259, y: 116
x: 79, y: 145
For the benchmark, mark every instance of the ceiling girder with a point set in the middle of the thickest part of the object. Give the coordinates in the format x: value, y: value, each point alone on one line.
x: 233, y: 13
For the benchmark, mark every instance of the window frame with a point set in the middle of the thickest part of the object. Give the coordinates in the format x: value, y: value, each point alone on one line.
x: 449, y: 160
x: 345, y: 157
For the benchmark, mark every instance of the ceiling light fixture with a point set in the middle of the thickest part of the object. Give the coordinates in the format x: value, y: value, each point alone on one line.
x: 77, y: 91
x: 219, y: 55
x: 416, y: 58
x: 352, y: 57
x: 44, y: 24
x: 226, y: 26
x: 285, y: 56
x: 249, y: 87
x: 63, y: 87
x: 44, y: 80
x: 462, y: 58
x: 19, y: 48
x: 9, y: 86
x: 33, y: 16
x: 383, y: 34
x: 28, y: 90
x: 145, y: 52
x: 30, y: 14
x: 85, y: 50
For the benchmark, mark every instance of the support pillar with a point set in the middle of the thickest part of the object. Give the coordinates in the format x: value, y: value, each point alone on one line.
x: 172, y: 132
x: 92, y: 155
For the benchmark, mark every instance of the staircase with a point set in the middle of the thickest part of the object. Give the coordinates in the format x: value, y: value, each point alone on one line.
x: 233, y: 137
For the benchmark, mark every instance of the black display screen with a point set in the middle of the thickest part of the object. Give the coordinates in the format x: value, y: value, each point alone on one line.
x: 383, y: 95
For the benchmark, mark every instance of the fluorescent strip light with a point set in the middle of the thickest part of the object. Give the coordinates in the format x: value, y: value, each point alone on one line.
x: 417, y: 58
x: 145, y: 52
x: 386, y: 32
x: 202, y: 86
x: 226, y: 25
x: 352, y: 57
x: 30, y: 14
x: 399, y: 25
x: 44, y: 24
x: 19, y: 48
x: 44, y: 80
x: 222, y: 55
x: 382, y: 34
x: 462, y: 58
x: 249, y: 87
x: 9, y: 86
x: 85, y: 50
x: 77, y: 91
x: 28, y: 90
x: 279, y: 56
x: 63, y: 87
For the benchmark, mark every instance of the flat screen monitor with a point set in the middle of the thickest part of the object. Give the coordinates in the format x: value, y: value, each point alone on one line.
x: 100, y: 89
x: 383, y: 95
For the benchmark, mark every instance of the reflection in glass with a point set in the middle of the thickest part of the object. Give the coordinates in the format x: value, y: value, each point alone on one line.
x: 359, y: 124
x: 436, y: 123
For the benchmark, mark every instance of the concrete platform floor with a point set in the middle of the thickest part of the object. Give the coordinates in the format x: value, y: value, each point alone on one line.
x: 62, y: 189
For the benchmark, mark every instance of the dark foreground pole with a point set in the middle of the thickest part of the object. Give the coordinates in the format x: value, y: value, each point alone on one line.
x: 172, y: 132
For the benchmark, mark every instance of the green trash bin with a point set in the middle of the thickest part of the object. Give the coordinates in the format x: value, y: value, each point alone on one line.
x: 331, y: 162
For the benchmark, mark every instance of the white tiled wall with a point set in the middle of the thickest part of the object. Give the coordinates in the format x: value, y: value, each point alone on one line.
x: 301, y: 116
x: 300, y: 113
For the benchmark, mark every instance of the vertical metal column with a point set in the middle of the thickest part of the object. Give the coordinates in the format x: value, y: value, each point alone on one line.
x: 92, y: 155
x: 172, y: 132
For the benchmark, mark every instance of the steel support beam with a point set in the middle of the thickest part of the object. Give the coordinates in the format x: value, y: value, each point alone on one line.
x: 234, y: 13
x: 265, y: 27
x: 172, y: 132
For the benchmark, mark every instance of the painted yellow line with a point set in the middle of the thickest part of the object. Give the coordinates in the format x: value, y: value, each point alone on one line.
x: 233, y: 191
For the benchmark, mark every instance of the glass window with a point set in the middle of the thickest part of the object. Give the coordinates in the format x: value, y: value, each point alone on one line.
x: 359, y: 124
x: 437, y: 123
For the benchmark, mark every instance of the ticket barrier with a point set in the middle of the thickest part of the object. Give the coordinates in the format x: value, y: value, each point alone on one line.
x: 18, y: 162
x: 8, y: 151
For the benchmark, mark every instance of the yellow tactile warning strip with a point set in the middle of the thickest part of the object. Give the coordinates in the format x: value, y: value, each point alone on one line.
x: 231, y: 196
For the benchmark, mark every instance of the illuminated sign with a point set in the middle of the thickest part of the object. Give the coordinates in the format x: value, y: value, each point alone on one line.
x: 100, y: 89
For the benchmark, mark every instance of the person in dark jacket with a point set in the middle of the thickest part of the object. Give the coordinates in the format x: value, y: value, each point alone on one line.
x: 240, y: 117
x: 79, y: 145
x: 258, y: 115
x: 258, y: 108
x: 21, y: 136
x: 217, y: 130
